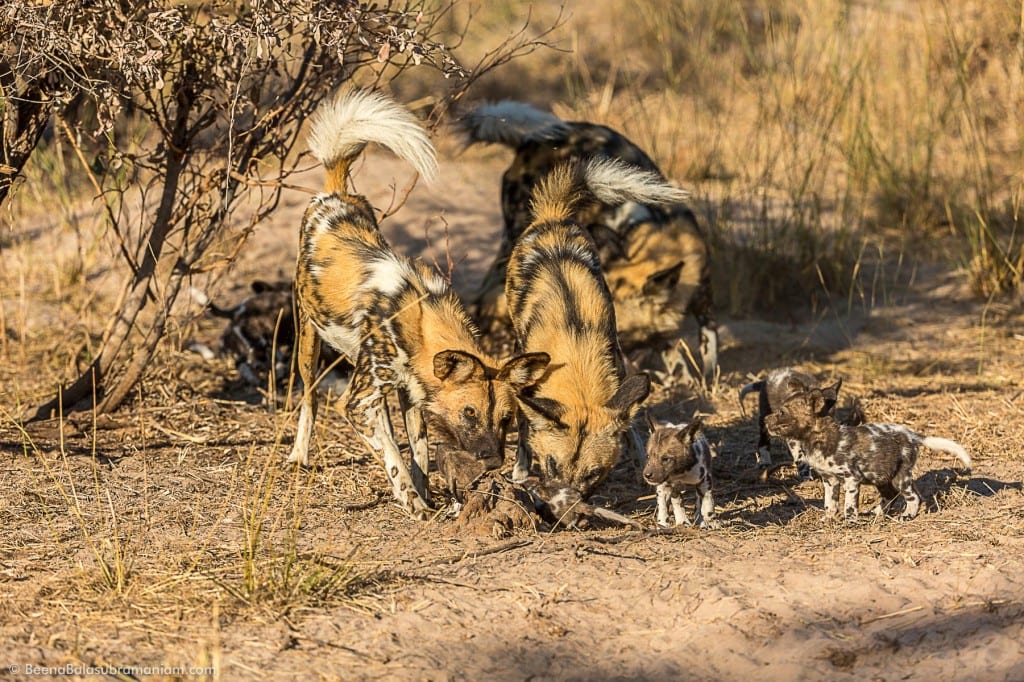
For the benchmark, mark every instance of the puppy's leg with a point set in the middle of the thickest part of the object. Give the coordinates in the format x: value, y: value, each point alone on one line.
x: 678, y: 510
x: 308, y: 345
x: 888, y: 494
x: 367, y: 410
x: 911, y: 497
x: 706, y: 511
x: 851, y: 506
x: 521, y: 470
x: 416, y: 429
x: 664, y: 493
x: 764, y: 453
x: 831, y: 495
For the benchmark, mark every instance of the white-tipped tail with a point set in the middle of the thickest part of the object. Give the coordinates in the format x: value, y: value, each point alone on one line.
x: 509, y: 123
x: 614, y: 182
x: 344, y: 124
x: 945, y: 445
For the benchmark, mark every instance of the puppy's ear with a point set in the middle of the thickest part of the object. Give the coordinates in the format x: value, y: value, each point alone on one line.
x: 649, y: 420
x: 663, y: 280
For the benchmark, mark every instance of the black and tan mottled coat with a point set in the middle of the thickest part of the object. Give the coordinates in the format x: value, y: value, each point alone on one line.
x: 401, y: 326
x: 575, y: 418
x: 654, y: 256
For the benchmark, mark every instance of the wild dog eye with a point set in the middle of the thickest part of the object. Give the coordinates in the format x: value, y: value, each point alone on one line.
x: 469, y: 412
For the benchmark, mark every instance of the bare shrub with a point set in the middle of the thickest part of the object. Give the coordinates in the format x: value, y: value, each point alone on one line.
x: 196, y: 108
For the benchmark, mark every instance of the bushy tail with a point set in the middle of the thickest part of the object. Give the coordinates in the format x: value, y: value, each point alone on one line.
x: 343, y: 125
x: 509, y: 123
x: 609, y: 181
x: 945, y: 445
x: 752, y: 387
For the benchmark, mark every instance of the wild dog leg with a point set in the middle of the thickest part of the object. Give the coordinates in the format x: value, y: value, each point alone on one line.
x: 308, y: 344
x: 367, y: 410
x: 678, y: 510
x: 521, y: 470
x: 664, y: 493
x: 831, y: 495
x: 416, y: 429
x: 706, y: 510
x: 851, y: 504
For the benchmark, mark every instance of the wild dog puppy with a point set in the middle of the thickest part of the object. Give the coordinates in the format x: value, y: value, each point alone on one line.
x: 654, y: 256
x: 679, y: 455
x: 402, y: 327
x: 573, y: 420
x: 880, y: 454
x: 775, y: 389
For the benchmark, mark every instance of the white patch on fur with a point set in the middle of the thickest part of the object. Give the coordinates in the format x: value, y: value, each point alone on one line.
x: 343, y: 338
x: 388, y: 275
x: 614, y: 182
x: 629, y: 213
x: 345, y: 123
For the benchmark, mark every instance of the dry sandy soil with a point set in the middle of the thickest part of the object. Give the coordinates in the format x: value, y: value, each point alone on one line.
x: 172, y: 534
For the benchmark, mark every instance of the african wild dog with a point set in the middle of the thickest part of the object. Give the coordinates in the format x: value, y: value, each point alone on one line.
x: 680, y: 455
x: 574, y: 419
x: 654, y: 256
x: 402, y: 327
x: 880, y: 454
x: 775, y: 389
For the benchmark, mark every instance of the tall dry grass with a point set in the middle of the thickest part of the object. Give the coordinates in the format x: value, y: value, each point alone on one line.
x: 816, y: 133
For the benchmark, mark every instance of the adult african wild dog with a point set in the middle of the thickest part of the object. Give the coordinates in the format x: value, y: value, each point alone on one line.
x: 574, y: 420
x: 654, y: 256
x: 402, y: 327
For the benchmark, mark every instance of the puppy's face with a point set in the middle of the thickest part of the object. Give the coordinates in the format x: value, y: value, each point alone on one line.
x: 796, y: 417
x: 670, y: 451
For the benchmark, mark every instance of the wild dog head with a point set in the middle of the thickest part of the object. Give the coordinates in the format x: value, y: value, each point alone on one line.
x: 578, y: 444
x: 473, y: 404
x: 801, y: 415
x: 671, y: 452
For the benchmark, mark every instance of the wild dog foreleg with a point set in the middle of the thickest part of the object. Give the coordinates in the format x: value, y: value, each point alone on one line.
x: 706, y: 510
x: 416, y: 428
x: 664, y: 493
x: 521, y: 470
x: 367, y: 410
x: 308, y: 344
x: 851, y: 505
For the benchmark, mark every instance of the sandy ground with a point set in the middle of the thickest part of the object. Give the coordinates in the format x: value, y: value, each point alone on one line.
x: 172, y: 534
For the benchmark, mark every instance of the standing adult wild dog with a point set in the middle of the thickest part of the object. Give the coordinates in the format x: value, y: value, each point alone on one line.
x: 574, y: 419
x: 654, y: 257
x: 402, y: 327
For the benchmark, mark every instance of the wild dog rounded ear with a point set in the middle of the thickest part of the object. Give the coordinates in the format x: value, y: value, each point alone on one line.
x: 831, y: 397
x: 663, y: 280
x: 524, y: 370
x: 651, y: 424
x: 549, y: 410
x: 630, y: 394
x: 457, y: 366
x: 691, y: 429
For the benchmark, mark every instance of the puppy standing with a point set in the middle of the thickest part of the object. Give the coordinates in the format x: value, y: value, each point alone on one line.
x: 774, y: 390
x: 883, y: 455
x: 678, y: 456
x: 403, y: 329
x: 573, y: 421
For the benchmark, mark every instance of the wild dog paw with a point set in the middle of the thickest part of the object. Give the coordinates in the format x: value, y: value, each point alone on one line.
x: 710, y: 524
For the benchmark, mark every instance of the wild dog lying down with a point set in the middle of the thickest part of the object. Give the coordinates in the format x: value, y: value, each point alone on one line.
x: 880, y: 454
x: 679, y: 455
x: 653, y: 255
x: 402, y: 327
x: 573, y: 421
x: 775, y: 389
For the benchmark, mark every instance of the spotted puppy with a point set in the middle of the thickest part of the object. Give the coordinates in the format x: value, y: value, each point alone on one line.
x: 654, y: 256
x: 679, y: 455
x: 401, y: 326
x: 882, y: 455
x: 775, y: 389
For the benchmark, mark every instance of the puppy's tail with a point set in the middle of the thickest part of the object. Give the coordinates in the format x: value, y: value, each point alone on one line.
x: 752, y: 387
x: 344, y: 124
x: 949, y: 446
x: 510, y: 123
x: 609, y: 181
